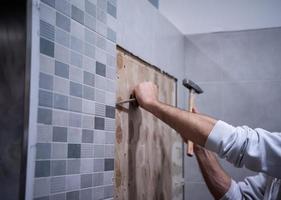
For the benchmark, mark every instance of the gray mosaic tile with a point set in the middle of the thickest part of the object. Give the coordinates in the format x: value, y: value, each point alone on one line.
x: 113, y: 2
x: 47, y: 64
x: 98, y: 165
x: 86, y: 150
x: 63, y: 6
x: 79, y: 4
x: 57, y: 184
x: 86, y: 180
x: 47, y: 30
x: 75, y: 104
x: 42, y: 168
x: 58, y: 167
x: 62, y: 69
x: 99, y: 123
x: 62, y: 54
x: 76, y: 59
x: 101, y: 4
x: 46, y: 47
x: 76, y: 74
x: 110, y: 137
x: 111, y: 73
x: 88, y: 93
x: 110, y: 112
x: 98, y: 193
x: 75, y: 89
x: 111, y: 48
x: 88, y: 122
x: 73, y: 182
x: 108, y: 178
x: 110, y: 86
x: 45, y: 81
x: 90, y: 8
x: 89, y: 64
x: 100, y: 96
x: 88, y: 107
x: 43, y: 150
x: 99, y: 137
x: 90, y: 36
x: 60, y: 118
x: 109, y: 151
x: 75, y: 120
x: 89, y: 79
x: 60, y: 101
x: 101, y: 42
x: 101, y: 28
x: 61, y: 85
x: 100, y: 109
x: 62, y: 37
x: 90, y: 22
x: 110, y: 98
x: 45, y: 98
x: 41, y: 187
x: 76, y: 44
x: 63, y: 22
x: 108, y: 164
x: 101, y: 15
x: 98, y: 151
x: 100, y: 69
x: 44, y: 116
x: 59, y: 151
x: 86, y: 165
x: 74, y: 135
x: 77, y: 14
x: 44, y: 133
x: 111, y: 35
x: 47, y: 14
x: 89, y: 50
x: 59, y: 134
x: 87, y: 136
x: 109, y: 124
x: 74, y: 151
x: 100, y: 55
x: 49, y: 2
x: 108, y: 191
x: 73, y: 166
x: 74, y: 195
x: 111, y: 61
x: 86, y: 194
x: 111, y: 9
x: 77, y: 29
x: 61, y: 196
x: 97, y: 179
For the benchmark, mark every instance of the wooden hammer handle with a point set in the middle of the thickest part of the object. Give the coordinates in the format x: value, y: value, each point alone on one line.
x: 191, y: 100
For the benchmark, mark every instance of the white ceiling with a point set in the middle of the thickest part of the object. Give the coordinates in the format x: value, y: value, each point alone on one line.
x: 205, y: 16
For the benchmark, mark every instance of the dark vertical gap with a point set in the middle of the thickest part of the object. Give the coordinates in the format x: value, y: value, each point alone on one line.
x: 12, y: 99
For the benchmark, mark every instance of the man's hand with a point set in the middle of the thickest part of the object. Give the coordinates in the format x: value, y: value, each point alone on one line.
x: 146, y: 94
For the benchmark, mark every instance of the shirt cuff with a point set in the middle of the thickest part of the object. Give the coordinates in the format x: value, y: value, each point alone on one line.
x: 232, y: 192
x: 215, y: 139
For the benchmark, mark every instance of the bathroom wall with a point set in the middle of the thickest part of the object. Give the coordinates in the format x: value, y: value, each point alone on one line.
x: 241, y: 77
x: 74, y: 151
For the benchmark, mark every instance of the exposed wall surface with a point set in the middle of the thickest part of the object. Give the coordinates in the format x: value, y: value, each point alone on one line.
x: 75, y: 132
x: 241, y: 75
x: 143, y: 31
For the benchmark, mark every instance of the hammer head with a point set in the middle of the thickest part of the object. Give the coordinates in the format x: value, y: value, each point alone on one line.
x: 192, y: 86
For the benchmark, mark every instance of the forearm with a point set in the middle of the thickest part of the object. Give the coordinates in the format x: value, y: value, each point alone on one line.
x: 191, y: 126
x: 217, y: 180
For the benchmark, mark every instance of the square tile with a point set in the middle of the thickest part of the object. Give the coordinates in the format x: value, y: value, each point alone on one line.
x: 98, y: 165
x: 101, y: 42
x: 100, y: 96
x: 60, y: 118
x: 44, y: 133
x: 86, y: 180
x: 62, y: 53
x: 110, y: 86
x: 59, y: 134
x: 111, y: 9
x: 89, y: 79
x: 110, y: 137
x: 73, y: 182
x: 46, y: 47
x: 100, y: 82
x: 88, y: 122
x: 90, y: 36
x: 63, y: 22
x: 101, y: 4
x: 101, y: 28
x: 108, y: 191
x: 45, y: 98
x: 75, y: 104
x: 58, y: 167
x: 63, y: 6
x: 101, y: 15
x: 99, y: 123
x: 77, y: 14
x: 109, y: 151
x: 43, y: 150
x: 41, y: 187
x: 73, y: 166
x: 110, y: 98
x: 110, y: 112
x: 76, y: 74
x: 88, y: 93
x: 109, y: 124
x: 47, y: 30
x: 61, y: 85
x: 111, y: 35
x: 62, y: 37
x: 86, y: 150
x: 90, y: 8
x: 47, y: 14
x: 86, y: 194
x: 42, y: 168
x: 89, y: 64
x: 87, y: 136
x: 90, y: 22
x: 74, y: 135
x: 100, y: 109
x: 98, y: 151
x: 45, y: 81
x: 100, y: 69
x: 76, y: 59
x: 74, y: 195
x: 88, y: 107
x: 98, y: 192
x: 108, y: 164
x: 74, y: 151
x: 89, y: 50
x: 44, y: 116
x: 76, y: 44
x: 59, y: 151
x: 60, y: 101
x: 99, y: 137
x: 86, y: 165
x: 97, y: 179
x: 108, y: 178
x: 75, y: 89
x: 75, y: 120
x: 62, y: 69
x: 77, y: 30
x: 47, y: 64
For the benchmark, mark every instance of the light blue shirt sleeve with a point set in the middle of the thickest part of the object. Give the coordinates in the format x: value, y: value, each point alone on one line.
x: 251, y: 188
x: 256, y: 149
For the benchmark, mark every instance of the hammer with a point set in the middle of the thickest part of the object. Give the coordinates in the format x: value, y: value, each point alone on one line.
x: 193, y: 90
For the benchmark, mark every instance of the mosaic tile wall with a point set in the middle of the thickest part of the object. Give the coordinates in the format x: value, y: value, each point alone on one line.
x: 76, y: 125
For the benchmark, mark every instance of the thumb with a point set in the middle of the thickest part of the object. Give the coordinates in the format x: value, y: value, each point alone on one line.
x: 194, y: 110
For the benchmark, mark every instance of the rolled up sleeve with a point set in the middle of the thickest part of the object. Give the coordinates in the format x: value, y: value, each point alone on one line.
x: 256, y: 149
